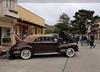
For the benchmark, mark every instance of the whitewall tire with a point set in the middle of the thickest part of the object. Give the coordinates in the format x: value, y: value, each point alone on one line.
x: 70, y: 52
x: 25, y: 54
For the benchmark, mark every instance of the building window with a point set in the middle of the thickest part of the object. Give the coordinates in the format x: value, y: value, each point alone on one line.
x: 6, y: 32
x: 23, y: 31
x: 41, y: 31
x: 7, y: 3
x: 35, y: 30
x: 10, y: 4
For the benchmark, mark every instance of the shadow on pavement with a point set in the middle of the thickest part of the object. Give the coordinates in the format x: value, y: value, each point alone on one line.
x: 38, y: 56
x: 48, y: 56
x: 41, y: 57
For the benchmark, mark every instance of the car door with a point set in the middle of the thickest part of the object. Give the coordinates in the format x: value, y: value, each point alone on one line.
x: 45, y: 45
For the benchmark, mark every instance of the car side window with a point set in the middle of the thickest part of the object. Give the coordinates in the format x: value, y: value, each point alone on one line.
x: 49, y: 39
x: 44, y: 39
x: 37, y: 40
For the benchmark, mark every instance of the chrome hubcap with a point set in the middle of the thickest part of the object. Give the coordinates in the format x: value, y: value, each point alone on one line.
x: 26, y: 54
x: 70, y: 52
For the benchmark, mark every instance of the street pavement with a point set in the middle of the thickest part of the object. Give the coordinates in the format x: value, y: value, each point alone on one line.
x: 86, y: 60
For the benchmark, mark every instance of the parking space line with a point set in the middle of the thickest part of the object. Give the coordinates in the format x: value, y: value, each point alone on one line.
x: 65, y: 65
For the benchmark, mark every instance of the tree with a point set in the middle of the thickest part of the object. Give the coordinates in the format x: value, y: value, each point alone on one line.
x: 63, y: 23
x: 83, y: 19
x: 95, y: 18
x: 51, y: 29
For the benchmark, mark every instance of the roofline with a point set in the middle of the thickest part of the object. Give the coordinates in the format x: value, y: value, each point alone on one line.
x: 41, y: 35
x: 31, y: 23
x: 30, y: 11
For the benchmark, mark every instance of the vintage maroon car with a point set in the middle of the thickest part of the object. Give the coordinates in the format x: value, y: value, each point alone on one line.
x: 35, y: 44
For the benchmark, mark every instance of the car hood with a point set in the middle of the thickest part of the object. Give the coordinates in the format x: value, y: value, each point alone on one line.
x: 68, y: 44
x: 21, y: 43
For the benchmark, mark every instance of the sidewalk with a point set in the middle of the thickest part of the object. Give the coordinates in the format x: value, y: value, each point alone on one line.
x: 3, y: 50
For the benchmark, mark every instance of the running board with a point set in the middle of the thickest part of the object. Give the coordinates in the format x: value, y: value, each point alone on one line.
x: 46, y: 53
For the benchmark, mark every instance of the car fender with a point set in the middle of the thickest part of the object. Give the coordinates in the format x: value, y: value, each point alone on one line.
x: 24, y: 46
x: 70, y: 45
x: 18, y: 49
x: 67, y: 45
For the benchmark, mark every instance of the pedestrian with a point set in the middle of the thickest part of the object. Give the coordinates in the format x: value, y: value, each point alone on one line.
x: 85, y: 39
x: 92, y: 36
x: 88, y: 40
x: 81, y: 40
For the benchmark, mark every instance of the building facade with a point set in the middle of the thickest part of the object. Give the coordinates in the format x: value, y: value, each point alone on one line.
x: 8, y: 16
x: 28, y: 23
x: 96, y: 29
x: 17, y: 22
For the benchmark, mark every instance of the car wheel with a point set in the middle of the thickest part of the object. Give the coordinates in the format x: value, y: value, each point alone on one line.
x: 25, y: 54
x: 70, y: 52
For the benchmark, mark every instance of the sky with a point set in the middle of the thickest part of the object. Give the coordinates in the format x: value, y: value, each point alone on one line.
x: 51, y: 11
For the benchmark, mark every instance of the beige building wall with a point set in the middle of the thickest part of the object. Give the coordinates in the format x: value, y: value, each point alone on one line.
x: 7, y: 25
x: 10, y: 11
x: 98, y: 28
x: 1, y: 8
x: 8, y: 8
x: 4, y: 23
x: 8, y: 14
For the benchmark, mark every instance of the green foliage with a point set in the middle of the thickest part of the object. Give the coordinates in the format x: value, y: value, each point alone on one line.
x: 48, y: 30
x: 95, y: 18
x: 51, y: 29
x: 83, y: 19
x: 63, y: 23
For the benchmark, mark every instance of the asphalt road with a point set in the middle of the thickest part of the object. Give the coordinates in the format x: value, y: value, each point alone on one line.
x: 87, y: 60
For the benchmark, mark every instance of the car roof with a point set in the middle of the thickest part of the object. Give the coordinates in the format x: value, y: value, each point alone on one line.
x: 31, y: 38
x: 41, y: 35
